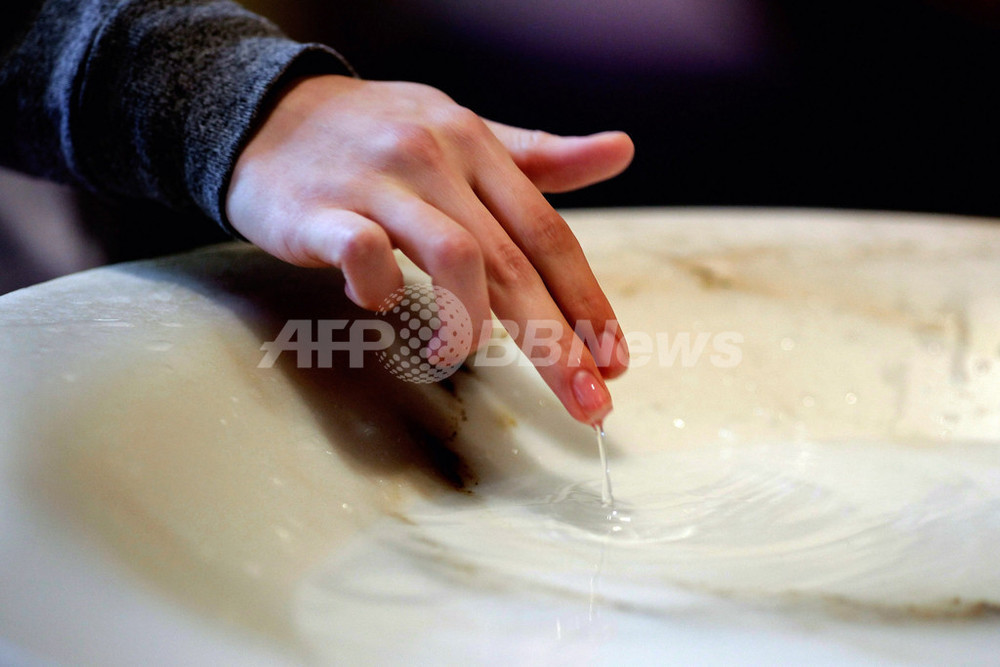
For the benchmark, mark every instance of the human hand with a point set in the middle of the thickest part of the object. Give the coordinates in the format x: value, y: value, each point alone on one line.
x: 342, y: 171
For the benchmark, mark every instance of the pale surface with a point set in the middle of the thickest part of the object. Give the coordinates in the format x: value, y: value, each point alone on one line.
x: 820, y: 482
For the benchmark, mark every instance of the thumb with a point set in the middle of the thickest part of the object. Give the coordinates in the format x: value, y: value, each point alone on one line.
x: 561, y: 164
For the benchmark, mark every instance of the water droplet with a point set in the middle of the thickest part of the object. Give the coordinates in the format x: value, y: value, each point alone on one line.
x: 850, y: 398
x: 679, y: 423
x: 787, y: 344
x: 808, y: 401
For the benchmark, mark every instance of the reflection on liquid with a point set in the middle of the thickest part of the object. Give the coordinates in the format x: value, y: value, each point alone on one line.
x: 873, y: 525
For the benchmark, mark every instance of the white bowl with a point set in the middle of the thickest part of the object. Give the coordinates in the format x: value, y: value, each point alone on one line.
x: 805, y: 457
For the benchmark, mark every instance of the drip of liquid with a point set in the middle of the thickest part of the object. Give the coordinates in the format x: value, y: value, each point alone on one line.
x: 607, y: 499
x: 893, y: 526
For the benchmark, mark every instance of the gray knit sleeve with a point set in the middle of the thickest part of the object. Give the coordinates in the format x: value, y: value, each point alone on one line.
x: 145, y: 98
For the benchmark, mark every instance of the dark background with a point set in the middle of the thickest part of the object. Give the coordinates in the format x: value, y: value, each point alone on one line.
x: 877, y: 104
x: 867, y: 104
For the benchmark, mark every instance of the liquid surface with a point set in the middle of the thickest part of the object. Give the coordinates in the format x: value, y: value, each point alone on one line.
x: 907, y: 530
x: 809, y: 422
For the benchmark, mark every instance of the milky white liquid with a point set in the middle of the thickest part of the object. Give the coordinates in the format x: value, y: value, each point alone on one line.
x: 607, y: 498
x: 877, y: 524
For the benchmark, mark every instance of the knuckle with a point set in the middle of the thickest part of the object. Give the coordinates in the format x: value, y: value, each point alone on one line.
x: 455, y: 251
x: 366, y: 298
x: 337, y: 189
x: 510, y: 268
x: 420, y: 91
x: 410, y: 142
x: 362, y: 248
x: 470, y: 132
x: 290, y: 241
x: 585, y: 302
x: 549, y: 234
x: 462, y: 122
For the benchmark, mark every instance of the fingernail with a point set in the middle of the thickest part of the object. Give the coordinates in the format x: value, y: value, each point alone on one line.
x: 591, y: 395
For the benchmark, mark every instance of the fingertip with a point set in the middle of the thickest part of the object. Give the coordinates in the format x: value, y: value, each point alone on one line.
x: 611, y: 355
x: 569, y: 163
x: 372, y: 290
x: 628, y: 146
x: 593, y: 401
x: 619, y: 147
x: 351, y: 294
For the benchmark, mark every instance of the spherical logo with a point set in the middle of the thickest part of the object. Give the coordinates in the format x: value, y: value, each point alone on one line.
x: 433, y: 333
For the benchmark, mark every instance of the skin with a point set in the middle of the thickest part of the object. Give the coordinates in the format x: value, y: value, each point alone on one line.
x: 342, y: 171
